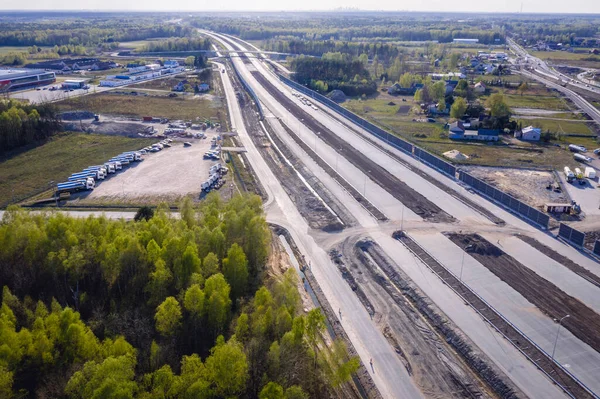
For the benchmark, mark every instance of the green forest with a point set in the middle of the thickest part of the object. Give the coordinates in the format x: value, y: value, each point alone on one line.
x: 354, y: 27
x: 334, y: 71
x: 86, y: 31
x: 163, y: 307
x: 22, y: 124
x: 177, y: 44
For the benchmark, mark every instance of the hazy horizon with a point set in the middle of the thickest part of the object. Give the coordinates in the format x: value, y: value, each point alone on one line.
x: 509, y: 6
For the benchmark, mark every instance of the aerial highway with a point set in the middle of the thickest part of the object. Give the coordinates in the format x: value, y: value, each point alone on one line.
x: 281, y: 107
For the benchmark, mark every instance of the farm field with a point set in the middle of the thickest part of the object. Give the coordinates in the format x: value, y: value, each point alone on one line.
x: 29, y: 172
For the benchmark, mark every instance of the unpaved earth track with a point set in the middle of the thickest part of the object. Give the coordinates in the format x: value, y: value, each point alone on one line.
x: 397, y: 188
x: 406, y: 294
x: 490, y: 316
x: 434, y: 366
x: 583, y: 322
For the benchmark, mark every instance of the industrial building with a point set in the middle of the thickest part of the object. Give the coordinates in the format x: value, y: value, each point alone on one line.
x: 15, y: 79
x: 73, y: 84
x: 143, y: 72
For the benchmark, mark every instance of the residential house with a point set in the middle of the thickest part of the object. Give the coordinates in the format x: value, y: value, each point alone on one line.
x: 457, y: 131
x: 529, y: 133
x: 396, y: 89
x: 432, y: 109
x: 180, y: 86
x: 203, y: 87
x: 456, y: 128
x: 479, y: 88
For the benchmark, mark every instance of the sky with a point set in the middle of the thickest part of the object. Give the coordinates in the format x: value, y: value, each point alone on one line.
x: 529, y: 6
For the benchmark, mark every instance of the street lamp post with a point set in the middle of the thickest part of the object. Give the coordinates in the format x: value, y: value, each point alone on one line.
x: 462, y: 263
x: 558, y: 332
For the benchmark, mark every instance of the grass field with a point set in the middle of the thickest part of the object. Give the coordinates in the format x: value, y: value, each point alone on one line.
x: 556, y: 126
x: 433, y: 137
x: 138, y: 44
x: 181, y: 107
x: 536, y: 101
x: 10, y: 49
x: 563, y: 55
x: 30, y: 171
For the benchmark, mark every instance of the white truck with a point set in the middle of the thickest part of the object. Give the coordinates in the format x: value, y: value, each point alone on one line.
x: 581, y: 158
x: 569, y: 174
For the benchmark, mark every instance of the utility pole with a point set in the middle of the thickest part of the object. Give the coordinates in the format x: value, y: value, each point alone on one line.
x: 557, y: 332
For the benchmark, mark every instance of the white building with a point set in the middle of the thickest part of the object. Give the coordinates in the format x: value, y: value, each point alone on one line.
x: 466, y: 41
x: 479, y: 88
x: 73, y: 84
x: 529, y: 133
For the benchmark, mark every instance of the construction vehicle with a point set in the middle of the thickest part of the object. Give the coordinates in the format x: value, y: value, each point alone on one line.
x: 579, y: 176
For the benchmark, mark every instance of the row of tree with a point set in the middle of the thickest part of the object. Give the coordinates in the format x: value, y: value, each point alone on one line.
x: 22, y: 124
x: 177, y: 44
x: 89, y: 32
x: 334, y: 71
x: 161, y: 307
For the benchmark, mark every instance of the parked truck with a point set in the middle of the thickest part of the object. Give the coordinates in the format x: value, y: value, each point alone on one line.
x: 95, y: 174
x: 110, y: 167
x: 576, y: 148
x: 581, y: 158
x: 84, y: 177
x: 74, y: 186
x: 569, y: 174
x: 135, y: 155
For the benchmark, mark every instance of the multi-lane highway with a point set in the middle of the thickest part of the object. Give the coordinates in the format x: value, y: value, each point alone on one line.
x: 582, y: 360
x: 539, y: 70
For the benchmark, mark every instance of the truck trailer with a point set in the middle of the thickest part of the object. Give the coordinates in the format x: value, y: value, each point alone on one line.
x: 569, y: 174
x: 74, y: 186
x: 581, y: 158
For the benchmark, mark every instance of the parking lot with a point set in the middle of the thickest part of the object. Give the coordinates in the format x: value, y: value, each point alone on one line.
x: 162, y: 176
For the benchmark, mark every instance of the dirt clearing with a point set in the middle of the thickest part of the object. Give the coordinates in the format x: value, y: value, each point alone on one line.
x: 186, y: 107
x: 530, y: 186
x: 163, y: 176
x: 583, y: 322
